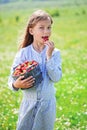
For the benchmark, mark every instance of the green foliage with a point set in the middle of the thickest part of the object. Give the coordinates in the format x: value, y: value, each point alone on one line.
x: 0, y: 20
x: 83, y: 11
x: 69, y: 33
x: 54, y: 12
x: 17, y: 18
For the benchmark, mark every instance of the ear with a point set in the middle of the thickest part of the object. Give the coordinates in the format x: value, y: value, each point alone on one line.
x: 31, y: 31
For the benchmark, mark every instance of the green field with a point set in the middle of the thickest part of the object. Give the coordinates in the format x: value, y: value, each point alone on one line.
x: 69, y: 33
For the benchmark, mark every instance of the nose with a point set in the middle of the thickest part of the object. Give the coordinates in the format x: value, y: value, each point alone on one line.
x: 47, y: 31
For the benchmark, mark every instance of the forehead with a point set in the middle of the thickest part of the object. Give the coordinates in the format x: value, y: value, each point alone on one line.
x: 46, y: 22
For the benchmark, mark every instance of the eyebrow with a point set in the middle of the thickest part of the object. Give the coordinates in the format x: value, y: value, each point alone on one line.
x: 43, y: 25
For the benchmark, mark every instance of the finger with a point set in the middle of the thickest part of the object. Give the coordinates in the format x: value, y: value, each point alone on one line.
x: 47, y: 44
x: 29, y: 80
x: 50, y: 46
x: 50, y: 43
x: 21, y: 77
x: 29, y: 85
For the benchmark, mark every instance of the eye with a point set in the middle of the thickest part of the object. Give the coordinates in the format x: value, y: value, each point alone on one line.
x: 49, y: 27
x: 41, y: 27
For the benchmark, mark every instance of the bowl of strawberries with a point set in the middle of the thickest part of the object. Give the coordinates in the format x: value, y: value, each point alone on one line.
x: 29, y: 68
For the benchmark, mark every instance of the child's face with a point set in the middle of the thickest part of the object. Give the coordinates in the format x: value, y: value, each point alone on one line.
x: 41, y: 30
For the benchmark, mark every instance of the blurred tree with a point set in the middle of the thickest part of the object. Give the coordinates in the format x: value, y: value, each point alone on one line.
x: 4, y: 1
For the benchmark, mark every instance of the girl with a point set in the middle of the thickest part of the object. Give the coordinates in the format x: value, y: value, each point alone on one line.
x: 38, y: 107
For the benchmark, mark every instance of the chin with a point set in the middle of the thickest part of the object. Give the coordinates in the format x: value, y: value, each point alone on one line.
x: 42, y: 43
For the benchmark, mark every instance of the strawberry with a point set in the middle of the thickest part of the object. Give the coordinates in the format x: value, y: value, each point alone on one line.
x: 45, y: 38
x: 27, y: 66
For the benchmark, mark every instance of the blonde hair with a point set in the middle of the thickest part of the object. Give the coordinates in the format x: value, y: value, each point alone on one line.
x: 33, y: 20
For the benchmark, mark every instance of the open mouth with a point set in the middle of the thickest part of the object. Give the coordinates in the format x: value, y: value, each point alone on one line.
x: 45, y: 38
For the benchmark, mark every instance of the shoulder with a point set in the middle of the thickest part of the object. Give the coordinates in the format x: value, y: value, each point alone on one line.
x: 22, y: 53
x: 24, y: 50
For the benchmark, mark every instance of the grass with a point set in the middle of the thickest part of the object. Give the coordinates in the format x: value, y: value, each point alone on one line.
x: 70, y: 36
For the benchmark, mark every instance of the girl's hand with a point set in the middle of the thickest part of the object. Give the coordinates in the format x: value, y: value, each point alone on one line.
x: 24, y: 83
x: 50, y: 49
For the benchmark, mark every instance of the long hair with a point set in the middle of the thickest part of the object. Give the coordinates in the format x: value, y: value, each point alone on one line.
x: 33, y: 20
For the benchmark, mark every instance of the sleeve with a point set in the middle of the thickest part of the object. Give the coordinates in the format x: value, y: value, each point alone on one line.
x: 19, y: 58
x: 53, y: 67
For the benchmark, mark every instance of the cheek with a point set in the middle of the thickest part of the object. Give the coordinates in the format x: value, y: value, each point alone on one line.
x: 37, y: 35
x: 49, y: 33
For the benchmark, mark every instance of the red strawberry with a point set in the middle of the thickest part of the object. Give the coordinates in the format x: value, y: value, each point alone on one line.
x: 45, y: 38
x: 17, y: 73
x: 26, y: 66
x: 34, y: 63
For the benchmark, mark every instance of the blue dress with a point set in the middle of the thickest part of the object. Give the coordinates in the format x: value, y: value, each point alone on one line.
x: 38, y: 107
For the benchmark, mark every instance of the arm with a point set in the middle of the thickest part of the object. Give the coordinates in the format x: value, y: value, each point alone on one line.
x: 20, y: 82
x: 19, y: 58
x: 53, y: 66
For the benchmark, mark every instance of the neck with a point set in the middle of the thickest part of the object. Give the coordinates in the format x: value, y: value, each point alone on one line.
x: 38, y: 47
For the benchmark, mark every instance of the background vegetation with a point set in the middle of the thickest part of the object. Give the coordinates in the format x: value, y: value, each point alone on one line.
x: 70, y: 36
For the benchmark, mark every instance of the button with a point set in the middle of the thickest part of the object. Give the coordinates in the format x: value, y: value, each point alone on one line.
x: 34, y: 116
x: 35, y: 107
x: 38, y: 94
x: 38, y: 98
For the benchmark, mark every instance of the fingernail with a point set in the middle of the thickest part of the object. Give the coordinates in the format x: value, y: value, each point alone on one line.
x: 31, y: 76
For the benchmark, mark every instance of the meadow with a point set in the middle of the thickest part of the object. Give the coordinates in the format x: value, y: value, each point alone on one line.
x: 69, y: 33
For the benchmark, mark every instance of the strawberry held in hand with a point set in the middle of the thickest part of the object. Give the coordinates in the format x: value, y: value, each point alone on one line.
x: 45, y: 38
